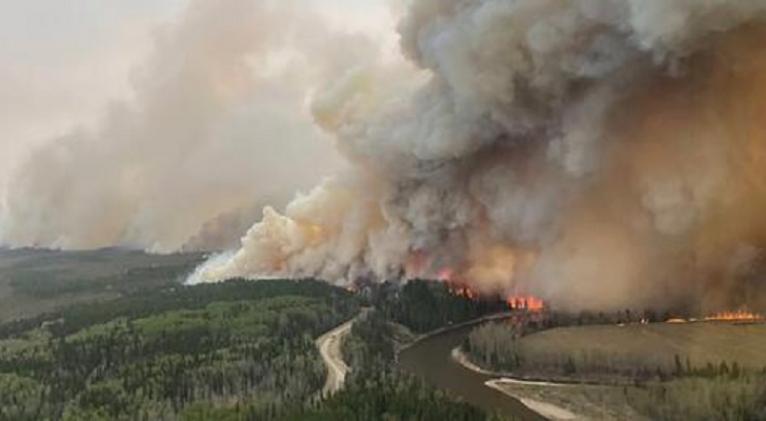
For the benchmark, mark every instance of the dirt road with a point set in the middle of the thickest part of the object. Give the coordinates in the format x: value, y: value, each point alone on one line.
x: 329, y: 347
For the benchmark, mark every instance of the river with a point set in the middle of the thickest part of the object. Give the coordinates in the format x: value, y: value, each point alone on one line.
x: 431, y: 360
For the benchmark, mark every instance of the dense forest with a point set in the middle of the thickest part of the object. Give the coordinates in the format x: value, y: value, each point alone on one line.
x: 423, y: 306
x: 238, y: 350
x: 376, y: 389
x: 168, y: 355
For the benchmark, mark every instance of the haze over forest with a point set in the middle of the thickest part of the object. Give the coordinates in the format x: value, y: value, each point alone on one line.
x: 597, y: 154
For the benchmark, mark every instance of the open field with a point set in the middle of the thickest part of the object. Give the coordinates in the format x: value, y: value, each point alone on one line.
x: 627, y: 349
x: 702, y: 370
x: 39, y: 281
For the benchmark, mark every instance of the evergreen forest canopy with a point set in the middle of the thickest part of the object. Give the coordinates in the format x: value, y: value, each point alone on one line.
x: 152, y: 357
x: 157, y: 349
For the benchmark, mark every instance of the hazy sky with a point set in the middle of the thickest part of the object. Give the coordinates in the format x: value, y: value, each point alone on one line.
x: 62, y: 61
x: 115, y: 114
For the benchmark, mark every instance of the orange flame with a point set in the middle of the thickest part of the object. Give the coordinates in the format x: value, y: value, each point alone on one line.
x: 739, y: 315
x: 515, y: 302
x: 525, y: 302
x: 724, y: 316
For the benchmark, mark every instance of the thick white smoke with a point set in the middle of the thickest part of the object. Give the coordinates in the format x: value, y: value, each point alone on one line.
x: 580, y: 150
x: 218, y: 128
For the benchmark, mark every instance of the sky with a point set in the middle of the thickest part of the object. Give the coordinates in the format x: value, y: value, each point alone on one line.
x: 62, y: 62
x: 153, y: 96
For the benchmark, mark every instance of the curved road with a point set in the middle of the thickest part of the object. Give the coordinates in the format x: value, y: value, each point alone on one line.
x: 329, y: 347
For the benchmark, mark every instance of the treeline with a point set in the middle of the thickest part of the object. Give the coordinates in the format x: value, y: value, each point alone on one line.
x: 239, y: 350
x: 585, y: 318
x: 176, y: 297
x: 423, y: 305
x: 249, y: 344
x: 497, y: 346
x: 419, y: 305
x: 682, y: 391
x: 694, y: 398
x: 494, y: 345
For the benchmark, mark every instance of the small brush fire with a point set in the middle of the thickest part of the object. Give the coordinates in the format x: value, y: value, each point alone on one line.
x: 735, y: 316
x: 525, y: 302
x: 738, y: 316
x: 458, y: 286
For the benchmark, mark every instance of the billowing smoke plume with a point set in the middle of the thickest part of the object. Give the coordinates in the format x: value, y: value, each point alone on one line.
x: 598, y: 153
x: 217, y: 128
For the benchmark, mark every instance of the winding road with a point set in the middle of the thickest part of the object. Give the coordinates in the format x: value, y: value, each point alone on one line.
x: 329, y: 347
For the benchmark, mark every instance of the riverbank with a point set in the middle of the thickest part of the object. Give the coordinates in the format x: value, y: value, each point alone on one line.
x: 543, y: 409
x: 557, y: 401
x: 429, y: 358
x: 546, y: 409
x: 567, y: 400
x: 423, y: 336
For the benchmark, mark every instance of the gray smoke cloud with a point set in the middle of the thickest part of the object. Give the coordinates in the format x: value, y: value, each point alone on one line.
x: 600, y: 154
x: 217, y: 126
x: 597, y: 153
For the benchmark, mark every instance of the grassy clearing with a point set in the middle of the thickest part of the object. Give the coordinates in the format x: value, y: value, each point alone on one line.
x: 694, y: 398
x: 692, y: 371
x: 632, y: 348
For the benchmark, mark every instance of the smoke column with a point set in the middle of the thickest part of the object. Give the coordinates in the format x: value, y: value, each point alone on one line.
x: 597, y: 153
x: 217, y: 127
x: 600, y: 154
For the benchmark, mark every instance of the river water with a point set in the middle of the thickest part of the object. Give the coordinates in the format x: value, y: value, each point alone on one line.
x: 431, y: 360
